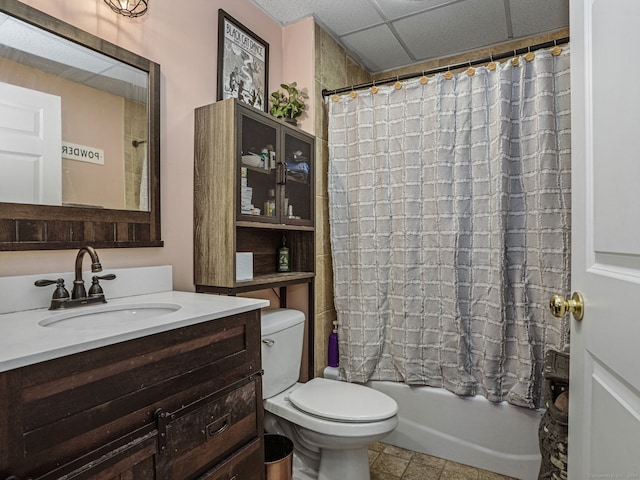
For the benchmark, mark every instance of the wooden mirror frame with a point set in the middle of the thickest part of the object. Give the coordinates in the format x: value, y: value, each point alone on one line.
x: 47, y: 227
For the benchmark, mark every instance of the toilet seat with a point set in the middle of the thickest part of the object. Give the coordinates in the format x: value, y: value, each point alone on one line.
x: 280, y: 406
x: 343, y: 402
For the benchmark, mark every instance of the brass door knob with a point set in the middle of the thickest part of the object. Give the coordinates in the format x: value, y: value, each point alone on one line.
x: 559, y: 306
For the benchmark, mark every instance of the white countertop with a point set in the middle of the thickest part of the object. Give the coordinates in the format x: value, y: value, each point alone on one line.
x: 23, y: 341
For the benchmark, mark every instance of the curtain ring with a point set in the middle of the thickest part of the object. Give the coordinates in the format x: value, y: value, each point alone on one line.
x: 471, y: 71
x: 556, y: 50
x: 515, y: 61
x: 353, y: 93
x: 423, y: 79
x: 398, y: 84
x: 374, y: 89
x: 491, y: 65
x: 530, y: 55
x: 448, y: 75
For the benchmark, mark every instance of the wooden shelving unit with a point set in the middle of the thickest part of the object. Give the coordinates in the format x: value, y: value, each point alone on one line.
x: 224, y: 131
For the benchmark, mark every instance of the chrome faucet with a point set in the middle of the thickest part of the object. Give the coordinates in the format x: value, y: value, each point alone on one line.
x: 61, y: 298
x: 78, y: 284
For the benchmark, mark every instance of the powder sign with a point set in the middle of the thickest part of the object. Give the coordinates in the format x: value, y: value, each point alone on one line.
x: 82, y: 153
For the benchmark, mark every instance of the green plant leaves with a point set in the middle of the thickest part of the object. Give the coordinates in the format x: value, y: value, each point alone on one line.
x: 288, y: 103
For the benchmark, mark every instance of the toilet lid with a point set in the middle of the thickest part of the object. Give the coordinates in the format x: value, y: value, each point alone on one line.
x: 342, y: 401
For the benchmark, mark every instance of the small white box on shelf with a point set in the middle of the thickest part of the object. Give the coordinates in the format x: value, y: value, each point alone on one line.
x: 244, y: 266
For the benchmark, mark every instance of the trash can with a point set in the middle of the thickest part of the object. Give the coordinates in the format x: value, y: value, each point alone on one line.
x: 278, y: 457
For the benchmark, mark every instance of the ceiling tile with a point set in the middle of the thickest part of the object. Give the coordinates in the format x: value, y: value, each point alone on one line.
x: 377, y: 48
x: 285, y: 12
x: 345, y: 16
x: 454, y: 28
x: 337, y: 16
x: 530, y: 18
x: 393, y: 9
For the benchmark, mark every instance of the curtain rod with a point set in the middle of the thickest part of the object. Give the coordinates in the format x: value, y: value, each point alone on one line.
x: 511, y: 53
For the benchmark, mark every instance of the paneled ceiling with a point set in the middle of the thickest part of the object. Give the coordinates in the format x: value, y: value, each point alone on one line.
x: 388, y: 34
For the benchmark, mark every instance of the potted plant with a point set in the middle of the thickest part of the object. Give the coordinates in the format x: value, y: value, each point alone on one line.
x: 288, y: 104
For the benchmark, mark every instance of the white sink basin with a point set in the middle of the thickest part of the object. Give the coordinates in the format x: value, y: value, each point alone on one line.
x: 36, y: 334
x: 107, y: 316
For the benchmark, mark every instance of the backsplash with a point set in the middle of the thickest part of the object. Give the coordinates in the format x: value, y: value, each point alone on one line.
x: 19, y: 293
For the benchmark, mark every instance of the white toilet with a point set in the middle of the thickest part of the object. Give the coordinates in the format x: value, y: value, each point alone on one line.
x: 331, y: 423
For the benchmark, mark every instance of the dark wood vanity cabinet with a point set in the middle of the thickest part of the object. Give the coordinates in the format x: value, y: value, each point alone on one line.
x: 181, y: 404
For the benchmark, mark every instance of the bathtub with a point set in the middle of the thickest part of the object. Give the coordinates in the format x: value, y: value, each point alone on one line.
x: 501, y: 437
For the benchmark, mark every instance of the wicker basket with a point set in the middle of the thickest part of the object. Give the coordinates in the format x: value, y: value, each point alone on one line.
x: 553, y: 431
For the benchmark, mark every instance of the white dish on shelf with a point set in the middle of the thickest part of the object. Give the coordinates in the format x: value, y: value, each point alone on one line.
x: 251, y: 160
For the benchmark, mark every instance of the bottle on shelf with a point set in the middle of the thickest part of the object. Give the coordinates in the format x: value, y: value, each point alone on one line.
x: 270, y: 204
x: 284, y: 264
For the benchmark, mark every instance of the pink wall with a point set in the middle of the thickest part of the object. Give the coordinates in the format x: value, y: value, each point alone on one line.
x: 182, y: 38
x: 298, y: 65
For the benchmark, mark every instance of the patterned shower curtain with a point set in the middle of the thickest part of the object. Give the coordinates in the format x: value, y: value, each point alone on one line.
x: 449, y: 208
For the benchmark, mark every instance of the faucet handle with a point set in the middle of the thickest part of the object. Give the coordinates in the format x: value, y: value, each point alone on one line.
x: 95, y: 288
x: 60, y: 291
x: 108, y: 276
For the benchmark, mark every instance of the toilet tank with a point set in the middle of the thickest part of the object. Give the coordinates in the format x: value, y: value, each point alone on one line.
x: 282, y: 339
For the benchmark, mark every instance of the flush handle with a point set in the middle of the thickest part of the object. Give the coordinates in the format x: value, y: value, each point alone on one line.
x: 268, y: 342
x: 559, y: 306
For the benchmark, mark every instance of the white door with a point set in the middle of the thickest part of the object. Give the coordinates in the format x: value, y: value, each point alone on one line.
x: 30, y: 146
x: 604, y: 386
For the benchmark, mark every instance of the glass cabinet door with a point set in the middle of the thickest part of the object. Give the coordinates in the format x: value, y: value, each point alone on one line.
x: 258, y: 168
x: 297, y: 194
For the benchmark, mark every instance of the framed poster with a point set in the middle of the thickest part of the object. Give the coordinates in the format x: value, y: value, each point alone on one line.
x: 243, y: 63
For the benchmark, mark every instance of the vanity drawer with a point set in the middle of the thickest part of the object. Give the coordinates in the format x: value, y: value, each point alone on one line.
x: 196, y: 437
x: 132, y: 456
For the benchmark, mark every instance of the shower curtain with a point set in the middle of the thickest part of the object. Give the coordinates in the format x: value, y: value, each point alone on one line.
x: 449, y: 207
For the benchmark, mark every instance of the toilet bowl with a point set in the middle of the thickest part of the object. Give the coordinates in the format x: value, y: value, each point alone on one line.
x: 330, y: 422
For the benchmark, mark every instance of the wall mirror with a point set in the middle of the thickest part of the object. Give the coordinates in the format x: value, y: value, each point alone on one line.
x: 79, y: 137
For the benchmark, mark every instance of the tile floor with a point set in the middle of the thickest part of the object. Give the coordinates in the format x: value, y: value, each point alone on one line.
x: 392, y: 463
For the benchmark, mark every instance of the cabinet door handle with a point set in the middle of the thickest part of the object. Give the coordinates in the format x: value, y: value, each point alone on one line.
x: 281, y: 174
x: 217, y: 426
